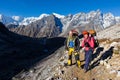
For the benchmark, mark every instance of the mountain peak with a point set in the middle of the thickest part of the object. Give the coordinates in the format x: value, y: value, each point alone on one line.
x: 17, y: 18
x: 43, y: 15
x: 95, y: 16
x: 1, y: 15
x: 58, y: 15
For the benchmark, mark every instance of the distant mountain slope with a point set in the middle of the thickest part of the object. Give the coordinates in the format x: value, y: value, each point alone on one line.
x: 18, y: 53
x: 49, y: 26
x: 105, y: 20
x: 92, y: 19
x: 36, y: 26
x: 112, y: 32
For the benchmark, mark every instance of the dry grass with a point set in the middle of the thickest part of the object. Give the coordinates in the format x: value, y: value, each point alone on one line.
x: 108, y: 41
x: 102, y: 40
x: 116, y: 51
x: 119, y: 47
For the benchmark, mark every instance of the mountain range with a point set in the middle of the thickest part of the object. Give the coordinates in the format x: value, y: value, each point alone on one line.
x: 24, y: 20
x: 56, y: 24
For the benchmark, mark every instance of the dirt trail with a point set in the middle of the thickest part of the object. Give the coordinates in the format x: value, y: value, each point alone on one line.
x: 75, y: 73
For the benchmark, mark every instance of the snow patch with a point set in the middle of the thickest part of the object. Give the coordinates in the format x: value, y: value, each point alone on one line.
x: 58, y: 15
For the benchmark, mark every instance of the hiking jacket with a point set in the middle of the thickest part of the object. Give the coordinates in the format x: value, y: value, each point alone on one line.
x: 77, y: 43
x: 88, y: 43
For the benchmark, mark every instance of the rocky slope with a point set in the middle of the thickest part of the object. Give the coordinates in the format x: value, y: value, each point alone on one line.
x: 7, y: 20
x: 105, y: 63
x: 25, y: 58
x: 112, y: 32
x: 20, y: 53
x: 46, y: 27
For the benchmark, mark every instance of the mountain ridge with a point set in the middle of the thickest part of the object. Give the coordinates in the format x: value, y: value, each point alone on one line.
x: 106, y: 19
x: 47, y: 26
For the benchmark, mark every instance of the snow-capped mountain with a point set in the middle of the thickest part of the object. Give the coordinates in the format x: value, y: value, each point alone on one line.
x: 58, y: 15
x: 20, y: 20
x: 109, y: 20
x: 94, y: 19
x: 117, y: 19
x: 29, y: 20
x: 17, y: 18
x: 25, y: 21
x: 49, y: 26
x: 91, y: 19
x: 7, y: 20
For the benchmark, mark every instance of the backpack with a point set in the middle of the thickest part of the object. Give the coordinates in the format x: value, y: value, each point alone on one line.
x: 96, y: 43
x: 93, y: 33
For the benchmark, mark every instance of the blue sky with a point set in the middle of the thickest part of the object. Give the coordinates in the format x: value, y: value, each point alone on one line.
x: 27, y: 8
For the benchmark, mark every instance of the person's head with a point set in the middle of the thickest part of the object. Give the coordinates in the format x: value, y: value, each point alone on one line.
x: 75, y: 32
x: 85, y: 34
x: 70, y: 33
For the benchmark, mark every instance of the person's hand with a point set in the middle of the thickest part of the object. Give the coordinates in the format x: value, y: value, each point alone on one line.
x: 80, y: 47
x: 65, y: 51
x: 87, y: 44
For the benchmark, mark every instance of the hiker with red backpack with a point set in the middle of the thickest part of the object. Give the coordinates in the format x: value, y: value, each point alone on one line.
x: 88, y: 45
x: 72, y: 44
x: 92, y: 33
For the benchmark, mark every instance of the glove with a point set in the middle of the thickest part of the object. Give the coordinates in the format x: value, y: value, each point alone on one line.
x: 80, y: 47
x: 87, y: 44
x: 75, y: 49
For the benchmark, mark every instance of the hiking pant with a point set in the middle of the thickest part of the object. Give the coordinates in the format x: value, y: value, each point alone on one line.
x: 88, y: 58
x: 71, y: 50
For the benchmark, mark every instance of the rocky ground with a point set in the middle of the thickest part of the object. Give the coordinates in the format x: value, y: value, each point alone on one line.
x: 25, y: 58
x: 105, y: 66
x: 112, y: 32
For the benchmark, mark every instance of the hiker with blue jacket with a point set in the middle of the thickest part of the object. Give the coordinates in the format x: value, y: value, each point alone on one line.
x: 72, y: 44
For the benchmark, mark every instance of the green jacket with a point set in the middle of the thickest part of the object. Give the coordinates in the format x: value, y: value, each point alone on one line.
x: 75, y: 40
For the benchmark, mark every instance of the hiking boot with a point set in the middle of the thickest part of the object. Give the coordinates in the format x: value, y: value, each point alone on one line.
x: 66, y: 64
x: 78, y: 64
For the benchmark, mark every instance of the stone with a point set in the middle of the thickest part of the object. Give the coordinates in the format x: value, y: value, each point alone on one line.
x: 31, y: 71
x: 113, y: 44
x: 75, y: 78
x: 112, y: 71
x: 108, y: 66
x: 118, y: 73
x: 49, y: 78
x: 62, y: 71
x: 102, y: 62
x: 105, y: 63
